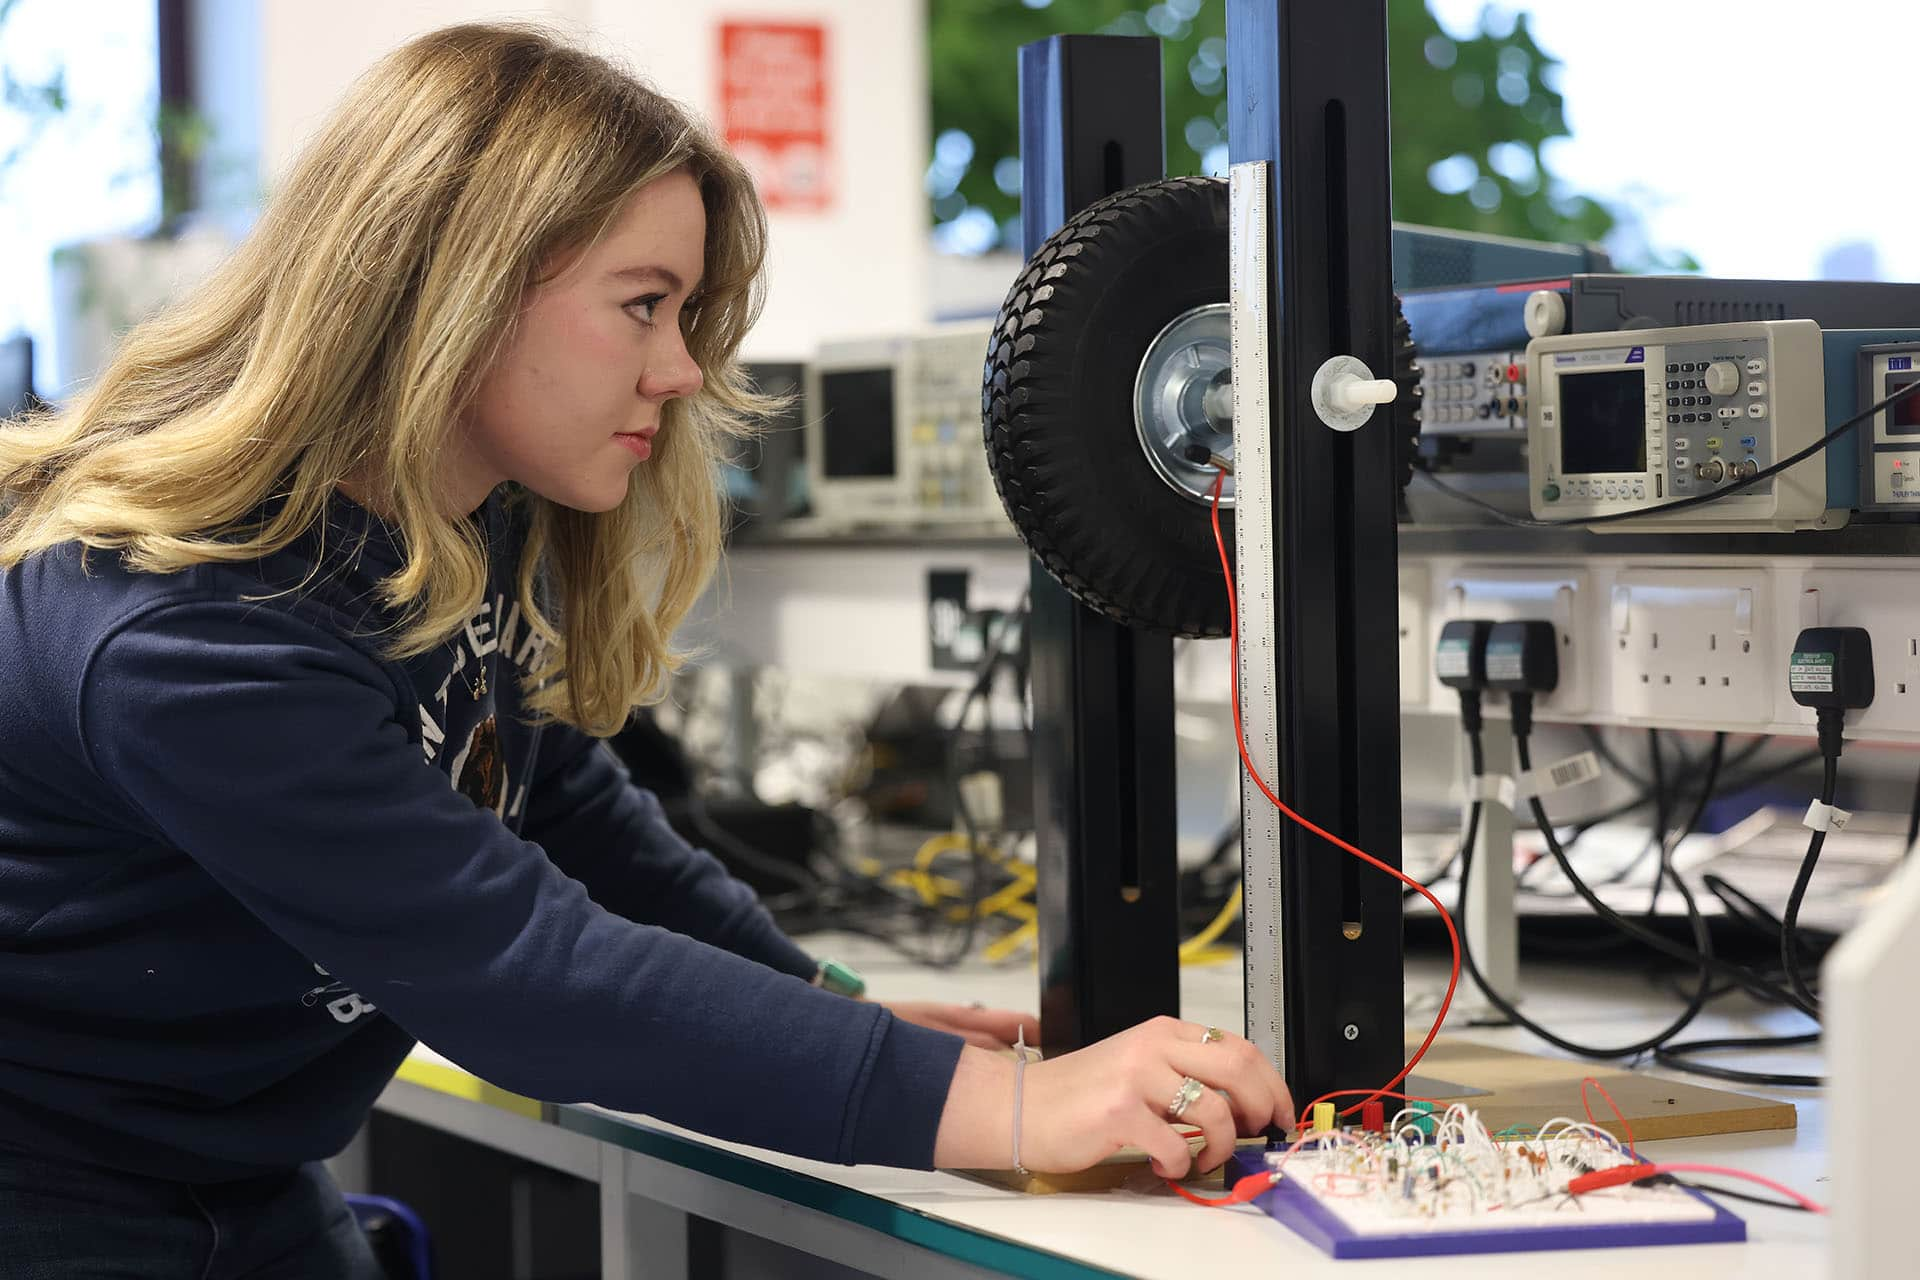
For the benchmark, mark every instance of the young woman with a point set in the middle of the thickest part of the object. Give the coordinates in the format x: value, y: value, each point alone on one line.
x: 312, y: 614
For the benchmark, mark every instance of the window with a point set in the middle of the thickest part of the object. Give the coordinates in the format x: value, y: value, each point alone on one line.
x: 78, y: 159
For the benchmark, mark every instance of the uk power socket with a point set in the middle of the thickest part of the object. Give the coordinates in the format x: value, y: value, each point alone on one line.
x: 1517, y: 593
x: 1692, y: 646
x: 1885, y: 602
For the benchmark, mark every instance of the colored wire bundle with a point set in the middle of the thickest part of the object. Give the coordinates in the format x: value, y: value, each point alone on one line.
x: 1445, y: 1164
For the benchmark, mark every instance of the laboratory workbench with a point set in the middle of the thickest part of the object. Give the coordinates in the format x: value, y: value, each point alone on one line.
x: 654, y: 1177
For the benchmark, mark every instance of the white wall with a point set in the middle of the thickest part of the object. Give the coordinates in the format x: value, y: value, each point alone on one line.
x: 857, y: 269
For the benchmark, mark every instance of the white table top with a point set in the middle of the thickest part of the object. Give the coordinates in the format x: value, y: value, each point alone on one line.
x: 1143, y: 1230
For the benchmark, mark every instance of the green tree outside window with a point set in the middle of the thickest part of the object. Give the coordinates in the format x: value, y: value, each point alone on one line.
x: 1469, y: 117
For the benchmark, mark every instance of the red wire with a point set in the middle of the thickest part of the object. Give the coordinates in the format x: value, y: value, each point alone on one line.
x: 1239, y: 735
x: 1248, y: 1189
x: 1619, y: 1114
x: 1371, y: 1095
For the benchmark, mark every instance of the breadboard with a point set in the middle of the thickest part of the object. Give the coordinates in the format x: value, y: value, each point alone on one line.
x: 1344, y: 1226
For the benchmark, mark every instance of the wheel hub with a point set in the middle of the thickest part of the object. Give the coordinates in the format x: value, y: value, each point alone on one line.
x: 1183, y: 398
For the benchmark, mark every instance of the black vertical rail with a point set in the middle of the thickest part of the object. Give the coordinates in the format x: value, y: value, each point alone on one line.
x: 1307, y: 83
x: 179, y: 177
x: 1090, y: 125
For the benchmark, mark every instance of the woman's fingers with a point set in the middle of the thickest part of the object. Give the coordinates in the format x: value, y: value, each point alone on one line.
x: 1167, y: 1150
x: 1259, y: 1096
x: 1210, y: 1114
x: 987, y: 1028
x: 1002, y: 1024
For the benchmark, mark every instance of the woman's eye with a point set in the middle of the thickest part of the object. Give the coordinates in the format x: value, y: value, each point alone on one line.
x: 648, y: 304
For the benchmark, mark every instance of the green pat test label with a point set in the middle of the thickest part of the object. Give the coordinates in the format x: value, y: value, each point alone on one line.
x: 1504, y: 662
x: 1453, y: 659
x: 1811, y: 673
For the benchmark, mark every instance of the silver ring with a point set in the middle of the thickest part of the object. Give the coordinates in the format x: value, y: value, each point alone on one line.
x: 1188, y: 1094
x: 1211, y: 1034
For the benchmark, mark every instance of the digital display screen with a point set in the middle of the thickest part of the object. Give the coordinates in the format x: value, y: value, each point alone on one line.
x: 1903, y: 418
x: 856, y: 424
x: 1603, y: 422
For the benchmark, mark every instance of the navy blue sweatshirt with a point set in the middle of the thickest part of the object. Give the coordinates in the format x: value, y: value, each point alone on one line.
x: 245, y: 860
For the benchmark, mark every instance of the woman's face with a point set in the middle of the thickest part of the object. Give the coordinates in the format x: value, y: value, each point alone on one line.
x: 571, y: 406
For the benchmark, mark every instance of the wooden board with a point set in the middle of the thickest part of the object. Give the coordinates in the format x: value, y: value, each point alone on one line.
x: 1125, y: 1168
x: 1521, y: 1089
x: 1525, y: 1089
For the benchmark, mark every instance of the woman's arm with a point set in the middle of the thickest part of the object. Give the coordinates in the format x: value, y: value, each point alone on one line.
x: 613, y: 837
x: 271, y: 753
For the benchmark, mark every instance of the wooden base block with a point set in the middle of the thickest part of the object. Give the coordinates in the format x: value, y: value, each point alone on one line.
x: 1526, y: 1089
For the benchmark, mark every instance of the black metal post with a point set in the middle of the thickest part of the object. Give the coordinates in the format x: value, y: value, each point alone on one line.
x: 1307, y: 83
x: 1090, y: 125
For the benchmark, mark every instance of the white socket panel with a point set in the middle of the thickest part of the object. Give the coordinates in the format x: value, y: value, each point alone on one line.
x: 1691, y: 646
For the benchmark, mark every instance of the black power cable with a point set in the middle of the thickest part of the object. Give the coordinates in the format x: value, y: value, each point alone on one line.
x: 1831, y: 671
x: 1523, y: 752
x: 1666, y: 1051
x: 1702, y: 940
x: 1742, y: 908
x: 1521, y: 660
x: 1790, y: 919
x: 1733, y: 785
x: 1679, y: 1057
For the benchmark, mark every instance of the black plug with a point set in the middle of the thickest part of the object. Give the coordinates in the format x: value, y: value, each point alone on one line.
x: 1460, y: 662
x: 1523, y: 659
x: 1832, y: 671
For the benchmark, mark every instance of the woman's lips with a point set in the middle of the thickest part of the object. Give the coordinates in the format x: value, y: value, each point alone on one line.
x: 639, y: 443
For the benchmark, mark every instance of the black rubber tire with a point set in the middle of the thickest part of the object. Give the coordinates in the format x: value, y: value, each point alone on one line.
x: 1057, y: 405
x: 1407, y: 415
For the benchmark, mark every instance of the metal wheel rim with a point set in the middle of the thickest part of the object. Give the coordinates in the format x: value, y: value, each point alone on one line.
x: 1185, y: 380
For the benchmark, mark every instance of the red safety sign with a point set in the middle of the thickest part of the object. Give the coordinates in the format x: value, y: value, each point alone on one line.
x: 773, y: 108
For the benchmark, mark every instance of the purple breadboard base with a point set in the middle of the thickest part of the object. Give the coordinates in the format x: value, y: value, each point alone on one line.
x: 1299, y: 1210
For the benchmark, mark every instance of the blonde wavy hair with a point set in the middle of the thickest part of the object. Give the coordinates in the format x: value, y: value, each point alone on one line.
x: 344, y: 338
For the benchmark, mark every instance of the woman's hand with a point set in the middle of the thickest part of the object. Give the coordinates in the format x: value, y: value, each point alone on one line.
x: 1082, y: 1107
x: 985, y: 1028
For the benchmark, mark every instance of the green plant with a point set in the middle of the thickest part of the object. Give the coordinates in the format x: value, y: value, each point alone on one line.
x: 184, y: 137
x: 1470, y: 116
x: 31, y: 104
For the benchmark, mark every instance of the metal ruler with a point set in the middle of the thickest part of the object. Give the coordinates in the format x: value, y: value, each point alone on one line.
x: 1255, y: 519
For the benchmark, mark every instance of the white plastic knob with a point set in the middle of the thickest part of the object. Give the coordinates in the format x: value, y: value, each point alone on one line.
x: 1545, y: 313
x: 1723, y: 378
x: 1345, y: 392
x: 1355, y: 393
